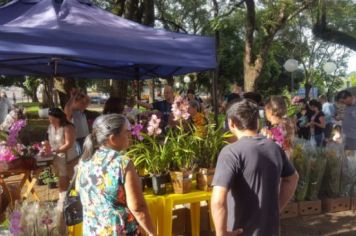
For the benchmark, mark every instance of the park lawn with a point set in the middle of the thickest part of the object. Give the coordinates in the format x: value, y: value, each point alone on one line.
x: 31, y: 108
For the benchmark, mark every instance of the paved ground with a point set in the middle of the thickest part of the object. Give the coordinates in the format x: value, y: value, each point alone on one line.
x: 331, y: 224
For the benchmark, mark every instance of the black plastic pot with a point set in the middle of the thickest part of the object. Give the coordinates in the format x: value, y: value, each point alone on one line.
x: 167, y: 178
x: 159, y: 184
x: 40, y: 182
x: 148, y: 181
x: 52, y: 185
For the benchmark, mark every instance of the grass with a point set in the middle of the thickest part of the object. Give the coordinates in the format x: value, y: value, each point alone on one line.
x: 31, y: 108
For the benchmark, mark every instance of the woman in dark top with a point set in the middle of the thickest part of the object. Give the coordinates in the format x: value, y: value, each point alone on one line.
x: 303, y: 118
x: 317, y: 122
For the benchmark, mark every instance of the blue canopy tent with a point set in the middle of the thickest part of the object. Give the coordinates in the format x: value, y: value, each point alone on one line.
x: 77, y: 39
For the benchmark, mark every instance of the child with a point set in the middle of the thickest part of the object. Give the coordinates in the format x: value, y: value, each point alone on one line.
x: 337, y: 134
x: 282, y: 128
x: 198, y: 119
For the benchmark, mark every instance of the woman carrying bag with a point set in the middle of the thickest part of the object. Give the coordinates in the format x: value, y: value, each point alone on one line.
x: 107, y: 182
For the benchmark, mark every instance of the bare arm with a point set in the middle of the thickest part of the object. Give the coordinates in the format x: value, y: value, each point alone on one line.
x: 219, y: 211
x: 135, y: 201
x: 69, y: 139
x: 68, y: 108
x: 145, y: 105
x: 287, y: 189
x: 322, y: 122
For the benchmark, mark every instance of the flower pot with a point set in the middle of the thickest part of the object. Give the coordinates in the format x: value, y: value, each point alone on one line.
x: 148, y: 181
x: 40, y: 182
x: 159, y: 184
x: 43, y: 112
x: 181, y: 181
x: 205, y: 178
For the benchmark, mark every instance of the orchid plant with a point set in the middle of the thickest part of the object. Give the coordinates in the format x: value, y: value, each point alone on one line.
x: 208, y: 147
x: 33, y: 218
x: 11, y: 149
x: 150, y: 151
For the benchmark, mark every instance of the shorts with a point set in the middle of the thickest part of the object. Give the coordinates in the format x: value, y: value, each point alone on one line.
x: 63, y: 168
x: 60, y: 166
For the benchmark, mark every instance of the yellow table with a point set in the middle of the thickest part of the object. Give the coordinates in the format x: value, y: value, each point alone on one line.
x: 155, y: 206
x: 161, y: 207
x: 194, y: 198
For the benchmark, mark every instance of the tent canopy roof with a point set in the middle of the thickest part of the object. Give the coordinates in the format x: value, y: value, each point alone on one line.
x: 75, y: 38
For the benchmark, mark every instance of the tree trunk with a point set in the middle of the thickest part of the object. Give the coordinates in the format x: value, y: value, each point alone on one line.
x: 47, y: 92
x: 119, y: 89
x: 149, y: 13
x: 34, y: 97
x: 64, y: 87
x: 308, y: 87
x: 322, y: 31
x: 151, y: 87
x: 133, y: 11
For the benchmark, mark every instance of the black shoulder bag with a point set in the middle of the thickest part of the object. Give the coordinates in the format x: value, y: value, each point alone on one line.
x: 72, y: 206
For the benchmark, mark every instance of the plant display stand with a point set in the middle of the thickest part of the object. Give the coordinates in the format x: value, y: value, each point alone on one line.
x: 336, y: 204
x: 290, y: 211
x: 307, y: 208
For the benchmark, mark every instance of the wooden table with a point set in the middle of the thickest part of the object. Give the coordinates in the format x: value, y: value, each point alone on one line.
x: 28, y: 181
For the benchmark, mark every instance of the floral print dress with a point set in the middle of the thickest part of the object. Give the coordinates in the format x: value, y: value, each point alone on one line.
x: 100, y: 183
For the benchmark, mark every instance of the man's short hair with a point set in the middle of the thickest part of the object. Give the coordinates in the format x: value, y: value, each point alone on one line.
x: 244, y: 115
x: 323, y: 97
x: 316, y: 103
x: 343, y: 95
x: 254, y: 96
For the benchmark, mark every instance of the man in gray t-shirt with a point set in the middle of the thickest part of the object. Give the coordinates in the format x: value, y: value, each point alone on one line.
x: 349, y: 118
x: 253, y: 179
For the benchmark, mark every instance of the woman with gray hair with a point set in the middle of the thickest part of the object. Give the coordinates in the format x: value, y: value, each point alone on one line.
x: 108, y: 184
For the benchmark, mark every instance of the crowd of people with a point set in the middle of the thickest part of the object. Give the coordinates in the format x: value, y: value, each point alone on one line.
x: 254, y: 177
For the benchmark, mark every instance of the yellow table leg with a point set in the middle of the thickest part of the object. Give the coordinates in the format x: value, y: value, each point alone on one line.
x: 167, y: 219
x: 152, y: 208
x: 75, y: 230
x: 195, y: 218
x: 160, y: 215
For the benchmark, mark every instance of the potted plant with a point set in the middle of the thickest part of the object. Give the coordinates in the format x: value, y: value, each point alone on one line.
x: 151, y: 154
x: 207, y: 149
x: 42, y: 178
x: 181, y: 138
x: 53, y: 182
